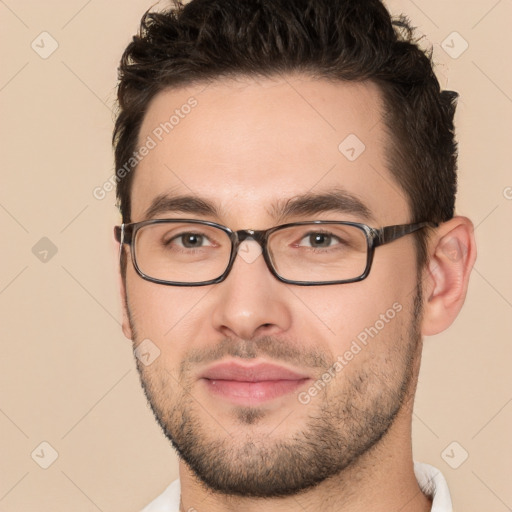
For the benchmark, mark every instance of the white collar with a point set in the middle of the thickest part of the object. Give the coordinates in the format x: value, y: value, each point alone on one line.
x: 433, y: 484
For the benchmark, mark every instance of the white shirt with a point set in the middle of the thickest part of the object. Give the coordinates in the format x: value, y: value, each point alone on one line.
x: 430, y: 480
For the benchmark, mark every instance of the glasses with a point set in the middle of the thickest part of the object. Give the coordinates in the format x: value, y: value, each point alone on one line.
x: 185, y: 252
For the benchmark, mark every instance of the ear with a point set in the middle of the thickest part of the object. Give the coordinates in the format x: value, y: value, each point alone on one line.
x: 125, y: 324
x: 452, y: 253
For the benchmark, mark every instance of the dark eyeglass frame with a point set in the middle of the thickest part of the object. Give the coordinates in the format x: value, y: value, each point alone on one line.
x: 375, y: 237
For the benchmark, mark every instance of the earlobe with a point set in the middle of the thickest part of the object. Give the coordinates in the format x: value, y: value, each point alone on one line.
x: 452, y: 256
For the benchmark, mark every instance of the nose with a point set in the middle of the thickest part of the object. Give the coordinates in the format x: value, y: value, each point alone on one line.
x: 251, y: 302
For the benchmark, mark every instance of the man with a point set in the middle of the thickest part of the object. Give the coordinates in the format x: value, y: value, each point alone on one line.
x: 286, y: 178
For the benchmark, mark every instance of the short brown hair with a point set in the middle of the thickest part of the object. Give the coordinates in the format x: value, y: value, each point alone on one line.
x: 343, y: 40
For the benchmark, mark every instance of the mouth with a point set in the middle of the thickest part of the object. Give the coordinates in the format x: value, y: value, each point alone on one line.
x: 251, y: 384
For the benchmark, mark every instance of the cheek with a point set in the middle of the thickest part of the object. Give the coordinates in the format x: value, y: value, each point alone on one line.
x: 166, y: 315
x: 374, y: 308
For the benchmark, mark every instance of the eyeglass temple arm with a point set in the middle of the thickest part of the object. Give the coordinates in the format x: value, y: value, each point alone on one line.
x: 390, y: 233
x: 123, y: 235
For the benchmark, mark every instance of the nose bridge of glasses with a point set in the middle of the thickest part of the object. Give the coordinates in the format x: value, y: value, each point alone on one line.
x: 245, y: 234
x: 250, y: 252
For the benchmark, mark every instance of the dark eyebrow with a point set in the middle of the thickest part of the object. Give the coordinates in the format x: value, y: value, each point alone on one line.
x: 180, y: 204
x: 336, y: 200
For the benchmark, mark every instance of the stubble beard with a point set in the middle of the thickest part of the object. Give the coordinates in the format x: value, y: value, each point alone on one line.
x: 345, y: 423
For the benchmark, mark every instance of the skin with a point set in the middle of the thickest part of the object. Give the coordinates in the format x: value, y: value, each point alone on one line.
x: 248, y: 146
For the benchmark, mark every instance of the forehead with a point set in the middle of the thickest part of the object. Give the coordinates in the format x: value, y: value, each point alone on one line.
x: 246, y: 145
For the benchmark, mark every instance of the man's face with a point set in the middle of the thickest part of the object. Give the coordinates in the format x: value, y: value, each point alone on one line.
x: 342, y: 355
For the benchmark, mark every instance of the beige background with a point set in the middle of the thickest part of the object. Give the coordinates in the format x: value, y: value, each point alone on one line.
x: 67, y: 375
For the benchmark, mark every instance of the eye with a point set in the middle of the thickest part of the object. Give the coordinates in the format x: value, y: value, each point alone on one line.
x: 190, y: 240
x: 319, y: 240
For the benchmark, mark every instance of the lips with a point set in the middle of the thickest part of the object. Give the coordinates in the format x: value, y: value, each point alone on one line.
x: 249, y: 384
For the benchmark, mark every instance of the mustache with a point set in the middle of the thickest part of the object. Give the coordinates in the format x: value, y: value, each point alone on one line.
x: 266, y: 346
